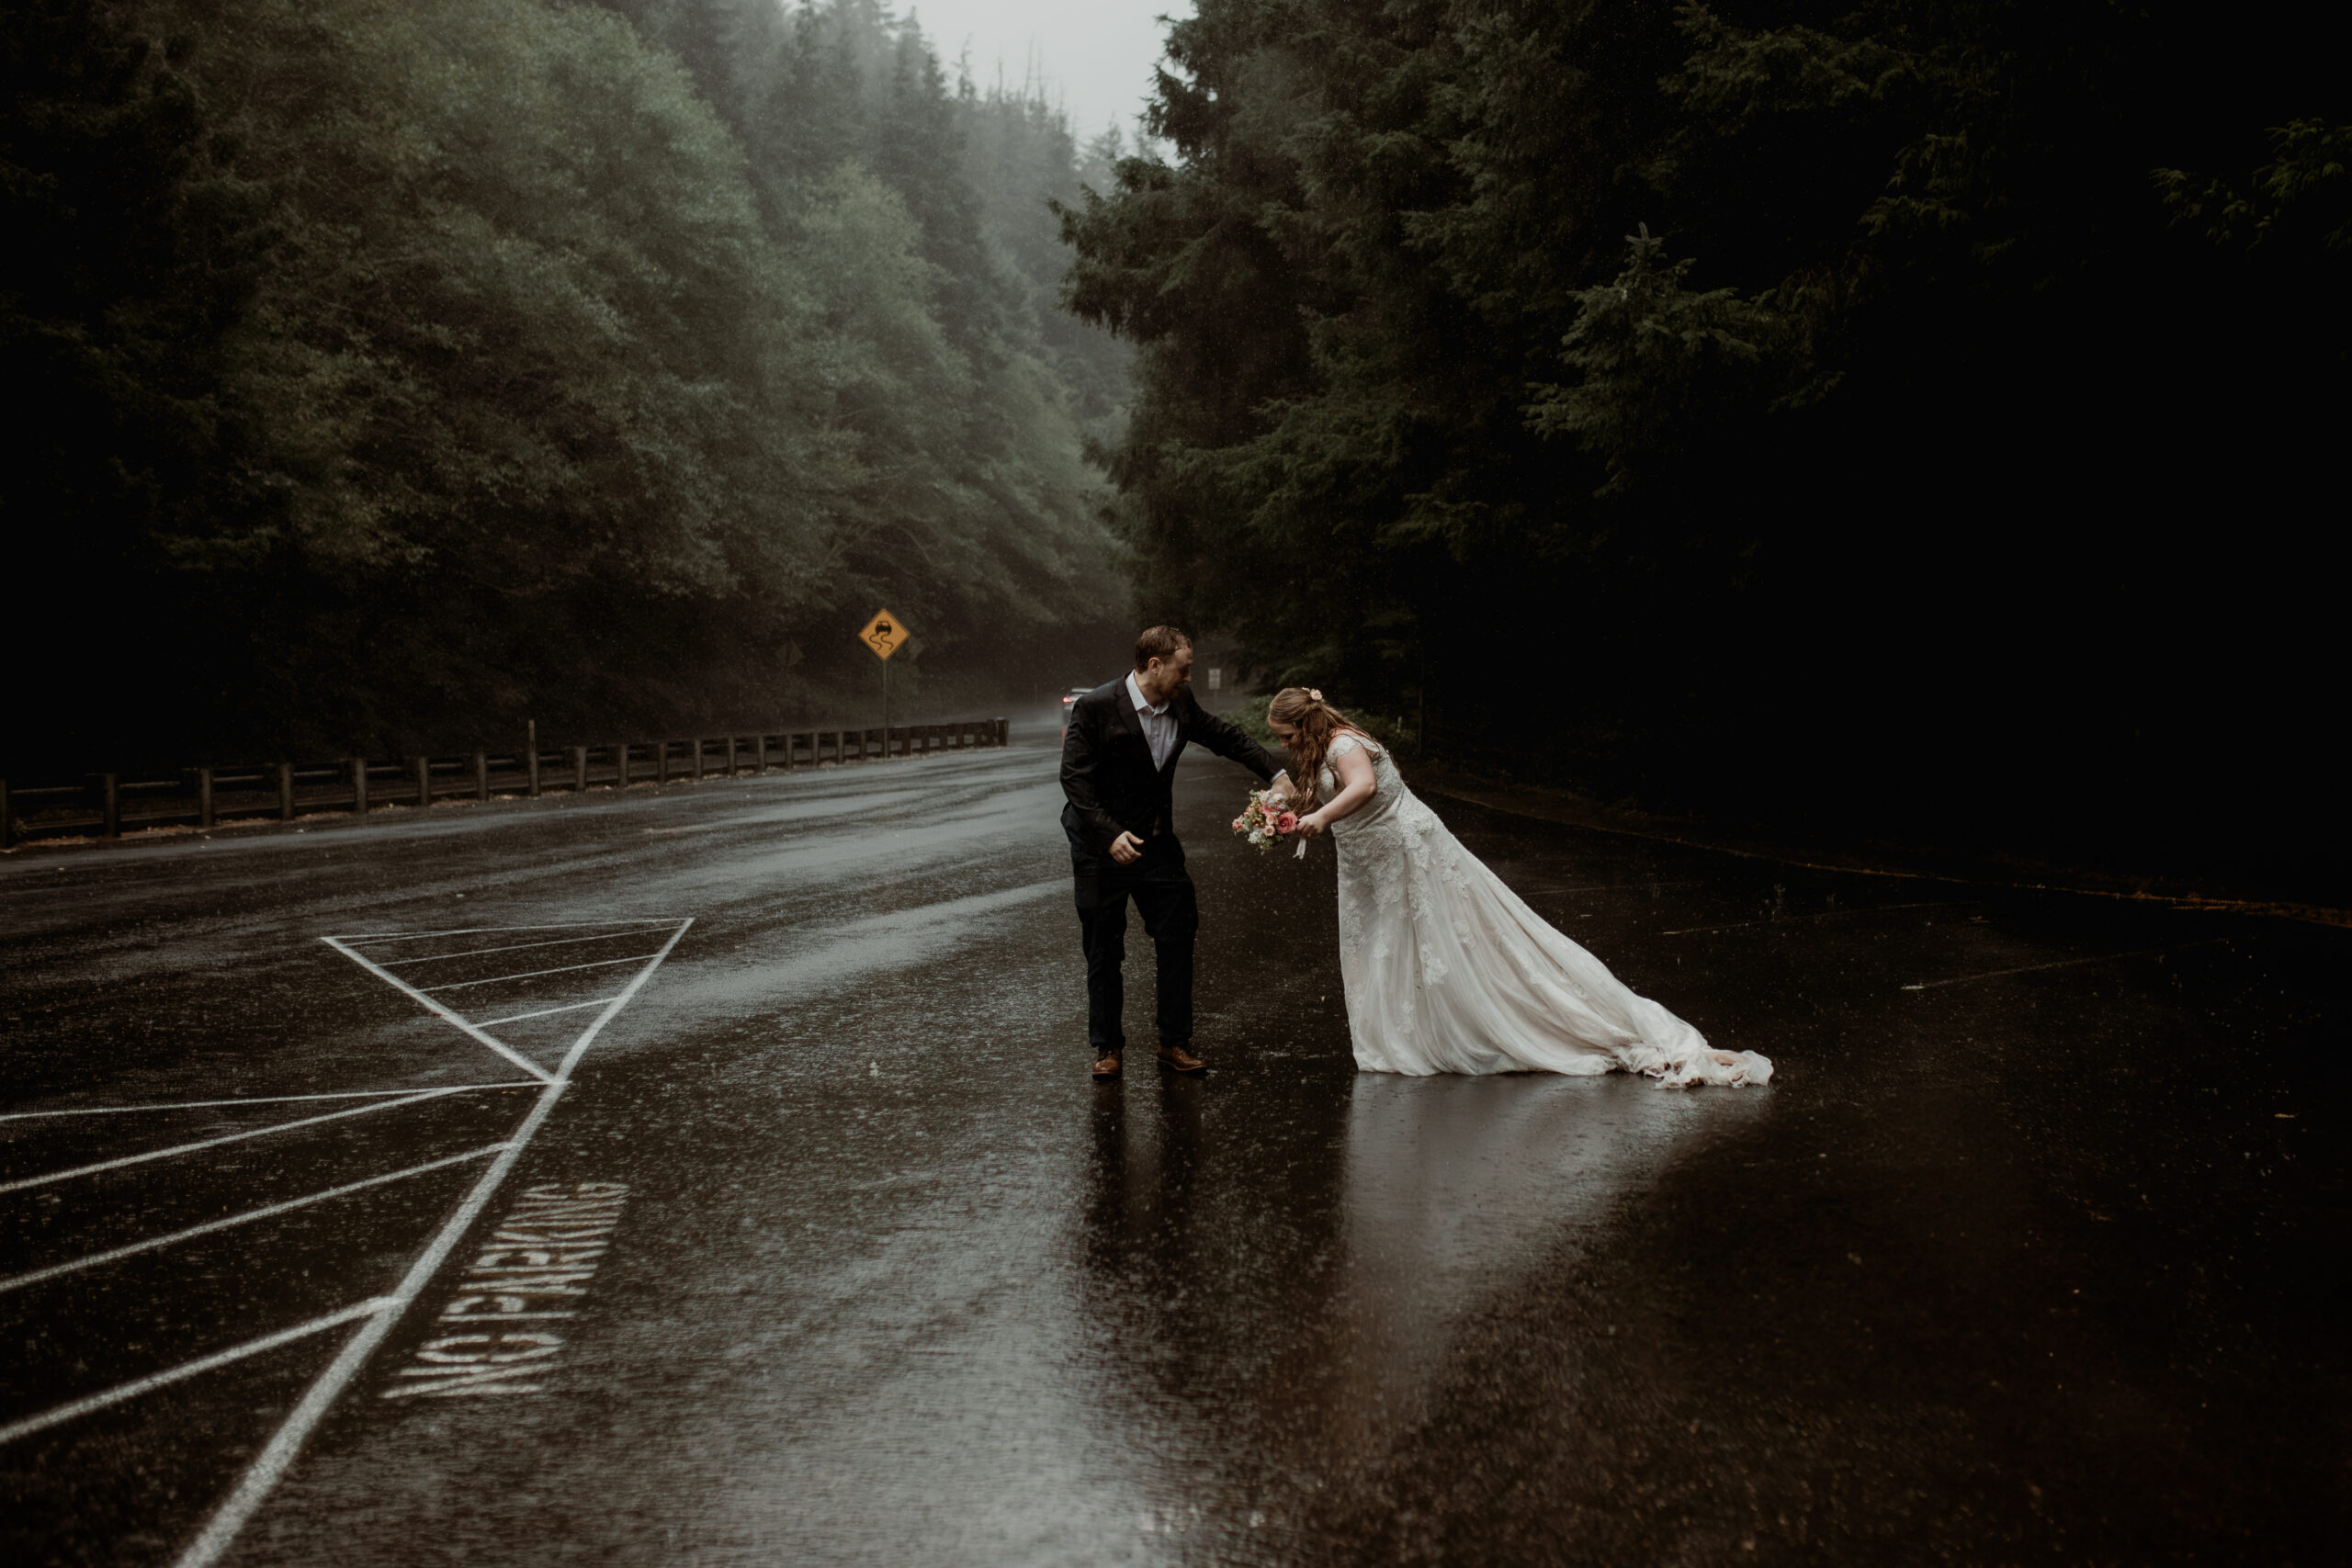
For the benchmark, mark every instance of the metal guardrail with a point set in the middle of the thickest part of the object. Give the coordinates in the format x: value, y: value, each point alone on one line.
x: 108, y: 804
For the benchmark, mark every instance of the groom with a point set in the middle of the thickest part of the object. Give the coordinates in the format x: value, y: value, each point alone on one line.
x: 1119, y: 760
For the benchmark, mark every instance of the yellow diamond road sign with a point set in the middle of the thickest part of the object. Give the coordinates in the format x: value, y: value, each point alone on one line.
x: 883, y: 634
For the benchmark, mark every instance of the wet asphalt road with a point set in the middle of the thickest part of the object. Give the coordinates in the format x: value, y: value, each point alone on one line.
x: 831, y: 1253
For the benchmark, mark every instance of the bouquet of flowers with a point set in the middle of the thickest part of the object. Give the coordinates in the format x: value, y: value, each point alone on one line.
x: 1263, y: 823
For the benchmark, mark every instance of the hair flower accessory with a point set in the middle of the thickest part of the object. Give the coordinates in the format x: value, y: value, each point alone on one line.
x: 1315, y: 694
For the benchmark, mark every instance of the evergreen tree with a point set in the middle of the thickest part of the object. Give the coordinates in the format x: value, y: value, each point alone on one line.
x: 416, y: 368
x: 1904, y: 356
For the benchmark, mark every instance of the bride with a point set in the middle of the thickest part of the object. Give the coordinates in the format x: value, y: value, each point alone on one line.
x: 1446, y: 970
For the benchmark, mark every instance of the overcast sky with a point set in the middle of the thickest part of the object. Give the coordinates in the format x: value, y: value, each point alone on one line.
x: 1095, y: 55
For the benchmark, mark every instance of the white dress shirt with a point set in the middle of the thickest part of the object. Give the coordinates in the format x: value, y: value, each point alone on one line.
x: 1159, y: 725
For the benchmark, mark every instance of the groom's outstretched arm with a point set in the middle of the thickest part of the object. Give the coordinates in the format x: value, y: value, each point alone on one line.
x: 1082, y: 746
x: 1228, y: 741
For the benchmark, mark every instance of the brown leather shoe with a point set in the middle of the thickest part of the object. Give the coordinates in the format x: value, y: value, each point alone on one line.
x: 1176, y: 1059
x: 1107, y: 1066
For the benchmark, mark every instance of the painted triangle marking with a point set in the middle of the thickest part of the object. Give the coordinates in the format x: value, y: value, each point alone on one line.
x: 665, y: 932
x: 269, y: 1468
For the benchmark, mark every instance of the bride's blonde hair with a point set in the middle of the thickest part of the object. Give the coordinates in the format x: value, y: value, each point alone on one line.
x: 1317, y: 724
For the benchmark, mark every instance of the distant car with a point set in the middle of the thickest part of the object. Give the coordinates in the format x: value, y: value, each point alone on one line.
x: 1067, y: 698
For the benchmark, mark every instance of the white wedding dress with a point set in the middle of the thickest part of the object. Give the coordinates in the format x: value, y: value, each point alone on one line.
x: 1447, y: 971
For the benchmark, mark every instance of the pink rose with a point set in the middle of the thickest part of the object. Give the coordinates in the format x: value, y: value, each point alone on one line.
x: 1238, y: 824
x: 1286, y: 822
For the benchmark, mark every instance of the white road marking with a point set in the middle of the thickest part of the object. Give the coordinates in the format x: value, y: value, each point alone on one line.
x: 1824, y: 914
x: 2062, y: 963
x: 547, y: 1248
x: 535, y: 974
x: 543, y: 1012
x: 23, y: 1182
x: 491, y: 930
x: 269, y: 1467
x: 115, y: 1396
x: 473, y: 1364
x: 474, y: 1030
x: 515, y: 947
x: 251, y: 1099
x: 18, y: 1282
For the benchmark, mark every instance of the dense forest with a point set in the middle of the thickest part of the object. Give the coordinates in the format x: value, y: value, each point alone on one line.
x: 1900, y: 419
x: 1912, y: 419
x: 388, y: 371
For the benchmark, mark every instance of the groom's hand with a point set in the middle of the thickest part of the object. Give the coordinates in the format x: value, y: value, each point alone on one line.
x: 1127, y: 849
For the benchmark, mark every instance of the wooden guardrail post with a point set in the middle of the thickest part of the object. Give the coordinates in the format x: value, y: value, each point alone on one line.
x: 286, y: 792
x: 580, y: 770
x: 8, y: 822
x: 701, y: 744
x: 359, y: 786
x: 111, y: 805
x: 481, y: 775
x: 204, y: 797
x: 424, y: 766
x: 758, y: 753
x: 531, y: 758
x: 620, y: 764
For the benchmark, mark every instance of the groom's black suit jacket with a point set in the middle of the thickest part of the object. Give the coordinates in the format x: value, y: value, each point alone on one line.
x: 1106, y: 765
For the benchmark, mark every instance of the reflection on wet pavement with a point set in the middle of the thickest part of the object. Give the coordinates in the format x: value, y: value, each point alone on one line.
x: 2026, y: 1252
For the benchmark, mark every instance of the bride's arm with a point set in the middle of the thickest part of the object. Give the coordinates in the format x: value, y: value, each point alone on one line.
x: 1357, y: 785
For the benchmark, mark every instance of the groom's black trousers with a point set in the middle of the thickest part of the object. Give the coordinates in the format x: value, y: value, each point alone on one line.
x: 1171, y: 915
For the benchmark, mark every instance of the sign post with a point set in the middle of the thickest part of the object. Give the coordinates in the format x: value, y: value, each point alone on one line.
x: 883, y: 634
